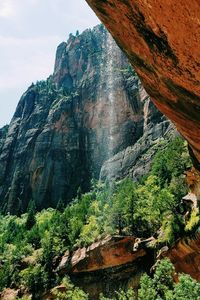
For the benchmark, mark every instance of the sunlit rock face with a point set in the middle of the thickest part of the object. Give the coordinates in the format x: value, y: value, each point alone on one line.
x: 65, y: 128
x: 111, y: 263
x: 161, y: 40
x: 106, y: 266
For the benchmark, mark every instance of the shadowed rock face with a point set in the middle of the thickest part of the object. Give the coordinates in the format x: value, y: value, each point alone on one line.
x: 65, y: 128
x: 186, y: 257
x: 135, y: 161
x: 161, y: 40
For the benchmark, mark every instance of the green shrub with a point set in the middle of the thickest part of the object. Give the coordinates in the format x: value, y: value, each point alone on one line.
x: 71, y: 293
x: 162, y: 286
x: 34, y: 278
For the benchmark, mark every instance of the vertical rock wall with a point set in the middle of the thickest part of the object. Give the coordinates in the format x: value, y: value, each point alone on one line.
x: 65, y: 128
x: 161, y: 40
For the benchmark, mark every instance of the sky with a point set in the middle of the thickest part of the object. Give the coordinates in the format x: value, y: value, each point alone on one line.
x: 30, y: 31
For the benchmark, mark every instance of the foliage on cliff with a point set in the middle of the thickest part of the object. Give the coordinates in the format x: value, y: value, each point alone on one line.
x: 162, y: 285
x: 31, y: 244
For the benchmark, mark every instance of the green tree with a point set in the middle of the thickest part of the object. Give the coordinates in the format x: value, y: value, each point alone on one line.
x: 89, y: 232
x: 48, y: 253
x: 35, y: 279
x: 123, y: 205
x: 71, y: 293
x: 187, y: 288
x: 147, y: 215
x: 171, y: 162
x: 33, y: 237
x: 31, y: 220
x: 163, y: 277
x: 147, y: 290
x: 163, y: 287
x: 156, y: 288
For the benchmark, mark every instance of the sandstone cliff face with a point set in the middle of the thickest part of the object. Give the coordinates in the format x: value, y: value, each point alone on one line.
x: 161, y: 40
x: 185, y: 256
x: 112, y: 263
x: 65, y: 128
x: 106, y: 266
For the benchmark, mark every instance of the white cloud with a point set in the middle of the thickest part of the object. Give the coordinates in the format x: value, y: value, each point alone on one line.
x: 7, y: 9
x: 35, y: 59
x: 34, y: 2
x: 30, y: 31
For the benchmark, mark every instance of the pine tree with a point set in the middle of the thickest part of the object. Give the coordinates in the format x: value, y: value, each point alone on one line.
x: 31, y: 220
x: 60, y: 206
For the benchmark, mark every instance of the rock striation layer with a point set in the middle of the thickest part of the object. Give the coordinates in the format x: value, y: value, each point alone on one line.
x: 112, y: 262
x: 65, y: 128
x: 185, y: 256
x: 106, y: 265
x: 161, y: 40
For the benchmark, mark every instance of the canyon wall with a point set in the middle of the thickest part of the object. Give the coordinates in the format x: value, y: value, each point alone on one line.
x: 161, y: 40
x: 65, y: 128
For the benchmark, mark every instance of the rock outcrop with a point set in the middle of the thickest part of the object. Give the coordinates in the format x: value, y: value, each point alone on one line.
x: 107, y: 265
x: 110, y: 252
x: 113, y: 262
x: 65, y: 128
x: 161, y: 40
x: 9, y: 294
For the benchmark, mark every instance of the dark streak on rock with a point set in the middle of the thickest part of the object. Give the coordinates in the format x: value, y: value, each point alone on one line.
x: 177, y: 89
x: 140, y: 63
x: 155, y: 42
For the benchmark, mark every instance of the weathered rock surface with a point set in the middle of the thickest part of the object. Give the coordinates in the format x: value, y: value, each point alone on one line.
x: 9, y: 294
x: 193, y: 179
x: 135, y: 161
x: 65, y: 128
x: 110, y: 252
x: 112, y: 263
x: 161, y: 40
x: 106, y: 266
x: 3, y: 133
x: 185, y: 255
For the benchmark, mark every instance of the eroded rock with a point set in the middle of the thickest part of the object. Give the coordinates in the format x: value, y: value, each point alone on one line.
x: 106, y: 265
x: 185, y: 256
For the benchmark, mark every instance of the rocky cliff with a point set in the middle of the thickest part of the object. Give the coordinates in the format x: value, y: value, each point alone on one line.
x: 3, y: 133
x: 106, y: 266
x: 161, y: 40
x: 112, y: 263
x: 65, y: 128
x: 186, y: 257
